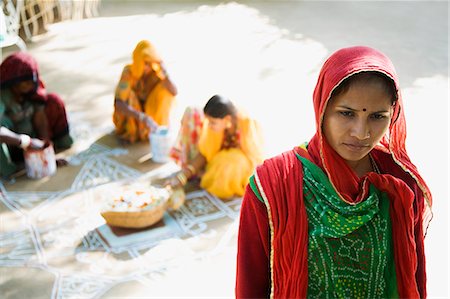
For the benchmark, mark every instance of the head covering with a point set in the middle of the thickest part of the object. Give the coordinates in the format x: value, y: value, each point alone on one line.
x: 339, y: 66
x: 410, y: 206
x: 144, y: 51
x: 19, y: 67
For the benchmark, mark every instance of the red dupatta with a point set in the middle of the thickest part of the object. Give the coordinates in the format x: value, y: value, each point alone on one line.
x: 409, y: 206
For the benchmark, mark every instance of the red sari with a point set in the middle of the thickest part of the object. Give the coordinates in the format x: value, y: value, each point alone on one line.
x: 273, y: 237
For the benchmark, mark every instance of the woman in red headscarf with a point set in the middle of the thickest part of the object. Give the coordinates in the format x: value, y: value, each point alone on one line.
x: 27, y: 109
x: 345, y: 214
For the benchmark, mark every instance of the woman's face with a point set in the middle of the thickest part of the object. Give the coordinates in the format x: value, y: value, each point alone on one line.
x: 218, y: 124
x: 147, y: 67
x: 24, y: 87
x: 356, y: 120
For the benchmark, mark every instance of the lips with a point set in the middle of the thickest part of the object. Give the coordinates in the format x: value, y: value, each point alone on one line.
x: 356, y: 147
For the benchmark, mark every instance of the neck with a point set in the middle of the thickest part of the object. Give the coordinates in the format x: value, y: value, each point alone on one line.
x: 362, y: 166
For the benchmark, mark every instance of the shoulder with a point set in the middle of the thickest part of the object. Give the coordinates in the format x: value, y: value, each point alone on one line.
x: 126, y: 73
x: 387, y: 165
x: 5, y: 96
x: 2, y: 108
x: 127, y: 69
x: 244, y: 119
x: 279, y: 168
x: 282, y: 160
x: 278, y: 181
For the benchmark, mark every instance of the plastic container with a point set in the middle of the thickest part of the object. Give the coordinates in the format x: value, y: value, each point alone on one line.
x: 40, y: 163
x: 160, y: 145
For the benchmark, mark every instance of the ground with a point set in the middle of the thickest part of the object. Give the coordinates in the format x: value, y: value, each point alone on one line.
x: 265, y: 55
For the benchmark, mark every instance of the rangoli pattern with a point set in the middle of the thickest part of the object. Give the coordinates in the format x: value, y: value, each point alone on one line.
x: 50, y: 231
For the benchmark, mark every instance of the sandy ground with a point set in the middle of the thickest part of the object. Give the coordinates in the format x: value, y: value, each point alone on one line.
x: 265, y: 55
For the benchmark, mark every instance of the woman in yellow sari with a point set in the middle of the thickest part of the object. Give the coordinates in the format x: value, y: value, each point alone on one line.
x: 221, y: 145
x: 144, y: 95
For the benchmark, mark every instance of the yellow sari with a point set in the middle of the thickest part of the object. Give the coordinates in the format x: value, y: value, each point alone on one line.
x: 156, y: 105
x: 228, y: 170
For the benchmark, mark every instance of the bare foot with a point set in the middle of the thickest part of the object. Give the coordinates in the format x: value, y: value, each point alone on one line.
x: 61, y: 162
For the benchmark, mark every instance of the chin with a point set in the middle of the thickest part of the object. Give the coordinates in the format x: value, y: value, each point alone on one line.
x: 351, y: 156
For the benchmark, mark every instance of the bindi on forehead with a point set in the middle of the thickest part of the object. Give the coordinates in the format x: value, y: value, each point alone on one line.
x: 364, y: 109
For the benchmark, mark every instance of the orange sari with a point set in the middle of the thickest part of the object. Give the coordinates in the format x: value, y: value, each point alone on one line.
x: 156, y: 104
x: 227, y: 169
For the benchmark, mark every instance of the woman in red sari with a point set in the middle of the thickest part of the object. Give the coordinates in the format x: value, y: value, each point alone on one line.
x: 27, y: 109
x: 345, y: 214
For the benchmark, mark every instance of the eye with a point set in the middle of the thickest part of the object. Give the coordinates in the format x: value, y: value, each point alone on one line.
x: 346, y: 113
x: 378, y: 116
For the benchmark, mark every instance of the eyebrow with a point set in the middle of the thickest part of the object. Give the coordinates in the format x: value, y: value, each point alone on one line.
x: 351, y: 109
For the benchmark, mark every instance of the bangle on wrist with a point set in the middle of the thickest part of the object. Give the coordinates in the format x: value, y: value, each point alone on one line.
x: 182, y: 178
x: 25, y: 141
x: 191, y: 169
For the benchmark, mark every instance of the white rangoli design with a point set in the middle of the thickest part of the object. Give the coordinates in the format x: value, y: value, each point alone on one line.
x: 49, y: 231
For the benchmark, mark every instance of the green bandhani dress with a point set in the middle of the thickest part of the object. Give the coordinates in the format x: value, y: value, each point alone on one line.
x: 350, y: 250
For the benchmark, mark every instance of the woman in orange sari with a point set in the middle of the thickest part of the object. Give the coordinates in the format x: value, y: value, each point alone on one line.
x: 144, y: 95
x: 221, y: 145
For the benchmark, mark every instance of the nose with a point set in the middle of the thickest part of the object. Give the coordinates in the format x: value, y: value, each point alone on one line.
x: 360, y: 130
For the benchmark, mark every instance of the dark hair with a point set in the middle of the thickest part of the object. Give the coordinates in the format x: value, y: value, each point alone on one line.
x: 368, y: 77
x: 219, y: 107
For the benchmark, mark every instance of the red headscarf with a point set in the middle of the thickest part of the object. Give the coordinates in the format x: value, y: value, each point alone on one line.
x: 400, y: 174
x: 19, y: 67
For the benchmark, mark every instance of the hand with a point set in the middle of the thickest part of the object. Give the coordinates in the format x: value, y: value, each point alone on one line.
x: 36, y: 143
x: 149, y: 122
x: 163, y: 70
x: 176, y: 180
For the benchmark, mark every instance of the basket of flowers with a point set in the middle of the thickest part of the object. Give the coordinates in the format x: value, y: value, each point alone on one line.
x: 136, y: 206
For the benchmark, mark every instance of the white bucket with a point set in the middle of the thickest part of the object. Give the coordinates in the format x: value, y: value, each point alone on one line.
x: 40, y: 163
x: 160, y: 145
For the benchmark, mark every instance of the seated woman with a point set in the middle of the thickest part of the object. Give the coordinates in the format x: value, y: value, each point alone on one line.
x: 26, y: 107
x: 144, y: 95
x: 221, y: 145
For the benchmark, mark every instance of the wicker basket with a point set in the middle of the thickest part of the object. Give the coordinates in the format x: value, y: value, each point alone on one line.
x: 138, y: 219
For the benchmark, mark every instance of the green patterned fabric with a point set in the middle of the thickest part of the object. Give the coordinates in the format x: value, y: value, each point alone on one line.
x: 254, y: 188
x: 350, y: 252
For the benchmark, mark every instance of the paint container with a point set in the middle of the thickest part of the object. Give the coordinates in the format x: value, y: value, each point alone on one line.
x: 160, y: 145
x: 40, y: 163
